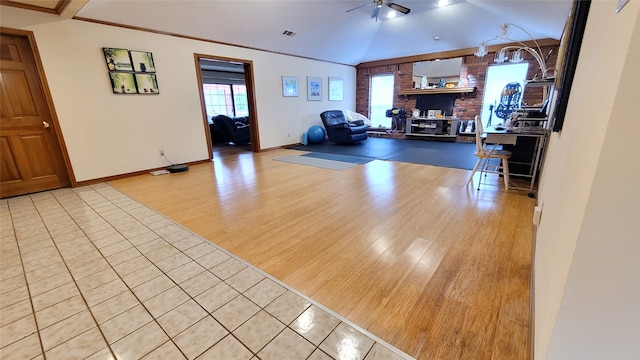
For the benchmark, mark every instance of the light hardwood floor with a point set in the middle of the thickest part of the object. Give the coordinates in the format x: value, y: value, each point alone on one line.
x: 405, y: 251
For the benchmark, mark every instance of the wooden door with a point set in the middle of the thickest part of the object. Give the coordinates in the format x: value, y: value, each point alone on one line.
x: 31, y: 156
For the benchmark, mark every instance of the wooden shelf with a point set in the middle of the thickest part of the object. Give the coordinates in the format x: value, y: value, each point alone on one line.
x: 532, y: 83
x: 432, y: 127
x: 453, y: 90
x: 433, y: 135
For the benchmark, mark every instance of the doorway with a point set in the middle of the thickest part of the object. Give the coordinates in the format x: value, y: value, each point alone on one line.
x: 228, y: 99
x: 31, y: 145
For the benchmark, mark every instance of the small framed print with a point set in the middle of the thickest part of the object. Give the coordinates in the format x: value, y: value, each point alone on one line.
x: 432, y: 114
x: 147, y: 83
x: 290, y: 86
x: 123, y: 82
x: 314, y: 88
x: 142, y: 61
x: 336, y: 89
x: 117, y: 59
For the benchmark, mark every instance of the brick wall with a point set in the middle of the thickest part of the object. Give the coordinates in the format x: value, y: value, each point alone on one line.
x: 473, y: 73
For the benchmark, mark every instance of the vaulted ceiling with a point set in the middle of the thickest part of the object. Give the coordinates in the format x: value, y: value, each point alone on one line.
x: 324, y: 29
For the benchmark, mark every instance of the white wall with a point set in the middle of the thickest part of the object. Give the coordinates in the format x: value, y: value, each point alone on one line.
x: 108, y: 134
x: 587, y: 256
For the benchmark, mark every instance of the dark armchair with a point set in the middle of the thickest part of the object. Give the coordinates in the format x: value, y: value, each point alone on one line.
x: 341, y: 131
x: 232, y: 130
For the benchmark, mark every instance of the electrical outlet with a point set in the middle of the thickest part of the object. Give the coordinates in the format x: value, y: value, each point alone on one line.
x: 161, y: 152
x: 537, y: 214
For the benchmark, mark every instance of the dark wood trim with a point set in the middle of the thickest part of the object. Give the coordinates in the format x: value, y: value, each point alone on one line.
x: 253, y: 110
x: 207, y: 130
x: 135, y: 173
x: 47, y: 96
x: 200, y: 39
x: 31, y: 7
x: 58, y: 9
x: 251, y: 99
x: 449, y: 54
x: 62, y: 5
x: 281, y: 147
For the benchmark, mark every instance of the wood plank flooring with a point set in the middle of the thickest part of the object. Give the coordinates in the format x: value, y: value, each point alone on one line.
x: 405, y: 251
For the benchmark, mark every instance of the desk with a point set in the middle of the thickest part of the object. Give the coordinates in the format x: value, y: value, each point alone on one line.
x: 510, y: 137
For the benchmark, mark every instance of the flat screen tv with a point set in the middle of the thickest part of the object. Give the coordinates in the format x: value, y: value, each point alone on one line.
x: 444, y: 102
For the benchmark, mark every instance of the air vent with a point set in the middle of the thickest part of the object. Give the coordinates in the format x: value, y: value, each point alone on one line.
x: 288, y: 33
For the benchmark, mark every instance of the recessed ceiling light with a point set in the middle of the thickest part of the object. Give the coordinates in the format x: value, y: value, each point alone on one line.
x: 436, y: 38
x: 442, y: 3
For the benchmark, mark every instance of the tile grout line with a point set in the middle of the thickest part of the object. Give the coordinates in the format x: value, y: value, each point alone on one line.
x: 103, y: 197
x: 75, y: 281
x: 141, y: 303
x: 163, y: 273
x: 331, y: 312
x: 24, y: 273
x: 230, y: 331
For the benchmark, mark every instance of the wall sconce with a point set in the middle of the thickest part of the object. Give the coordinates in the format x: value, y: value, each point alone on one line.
x: 517, y: 51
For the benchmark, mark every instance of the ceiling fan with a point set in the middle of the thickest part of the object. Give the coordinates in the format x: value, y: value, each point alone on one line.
x: 378, y: 5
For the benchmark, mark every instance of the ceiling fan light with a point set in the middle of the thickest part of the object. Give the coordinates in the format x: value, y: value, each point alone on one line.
x: 482, y: 50
x: 517, y: 57
x: 501, y: 57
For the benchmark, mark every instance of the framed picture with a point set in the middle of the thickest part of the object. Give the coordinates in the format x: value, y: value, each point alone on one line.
x: 290, y: 86
x: 117, y: 59
x: 432, y: 114
x: 122, y: 82
x: 147, y: 83
x: 142, y: 61
x: 336, y: 89
x: 314, y: 88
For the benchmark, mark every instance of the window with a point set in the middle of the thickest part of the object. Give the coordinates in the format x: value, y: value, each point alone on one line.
x: 240, y: 102
x: 501, y: 80
x: 225, y: 99
x: 381, y: 100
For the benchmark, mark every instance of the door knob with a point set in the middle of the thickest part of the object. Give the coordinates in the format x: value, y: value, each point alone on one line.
x: 45, y: 124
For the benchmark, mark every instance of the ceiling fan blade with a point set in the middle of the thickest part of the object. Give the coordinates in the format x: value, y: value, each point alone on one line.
x: 358, y: 7
x: 399, y: 8
x: 375, y: 12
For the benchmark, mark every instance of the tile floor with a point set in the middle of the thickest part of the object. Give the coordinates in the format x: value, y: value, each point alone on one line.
x: 89, y: 273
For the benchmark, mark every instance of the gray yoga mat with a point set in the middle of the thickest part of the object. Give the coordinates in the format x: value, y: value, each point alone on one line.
x: 315, y: 162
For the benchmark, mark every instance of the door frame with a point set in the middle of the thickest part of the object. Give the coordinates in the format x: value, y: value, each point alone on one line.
x: 47, y: 96
x: 251, y: 99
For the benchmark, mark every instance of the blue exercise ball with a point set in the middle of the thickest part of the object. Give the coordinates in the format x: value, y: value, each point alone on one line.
x: 315, y: 135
